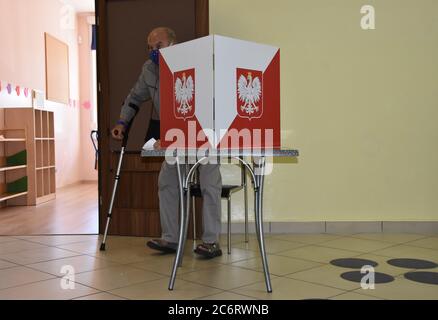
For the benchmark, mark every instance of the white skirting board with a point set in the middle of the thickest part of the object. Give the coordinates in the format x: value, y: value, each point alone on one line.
x: 347, y: 227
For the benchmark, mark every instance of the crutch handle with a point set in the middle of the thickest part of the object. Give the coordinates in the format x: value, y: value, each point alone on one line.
x: 126, y: 133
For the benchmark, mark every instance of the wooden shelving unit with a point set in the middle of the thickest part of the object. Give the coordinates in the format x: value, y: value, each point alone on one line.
x: 45, y: 144
x: 39, y: 143
x: 10, y: 196
x: 10, y: 168
x: 11, y: 142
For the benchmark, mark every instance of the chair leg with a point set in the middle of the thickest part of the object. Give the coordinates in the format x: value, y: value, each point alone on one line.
x: 245, y: 190
x: 229, y: 225
x: 194, y: 221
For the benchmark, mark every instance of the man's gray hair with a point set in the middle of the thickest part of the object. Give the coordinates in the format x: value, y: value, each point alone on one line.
x: 171, y: 35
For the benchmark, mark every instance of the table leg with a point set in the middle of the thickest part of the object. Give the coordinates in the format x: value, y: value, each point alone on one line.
x: 178, y: 257
x: 260, y: 176
x: 186, y: 216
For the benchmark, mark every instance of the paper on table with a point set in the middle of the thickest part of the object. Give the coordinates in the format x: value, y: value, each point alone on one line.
x: 149, y: 145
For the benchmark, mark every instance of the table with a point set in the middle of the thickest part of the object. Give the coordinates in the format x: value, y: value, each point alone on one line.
x: 196, y: 158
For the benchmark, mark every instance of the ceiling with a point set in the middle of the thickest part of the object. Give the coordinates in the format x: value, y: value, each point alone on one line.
x: 82, y: 5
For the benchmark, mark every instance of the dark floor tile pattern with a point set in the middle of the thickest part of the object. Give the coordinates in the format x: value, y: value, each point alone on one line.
x: 352, y: 263
x: 357, y: 276
x: 423, y: 277
x: 412, y: 263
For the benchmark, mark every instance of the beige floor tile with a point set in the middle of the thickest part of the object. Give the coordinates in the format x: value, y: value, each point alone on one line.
x: 38, y: 255
x: 403, y: 289
x: 226, y: 295
x: 278, y: 265
x: 17, y: 276
x: 319, y: 254
x: 86, y: 247
x: 4, y: 239
x: 124, y: 255
x: 383, y: 266
x: 353, y: 296
x: 224, y: 277
x: 79, y: 263
x: 354, y: 244
x: 404, y: 251
x: 54, y: 240
x: 164, y: 264
x: 6, y: 264
x: 112, y: 243
x: 307, y: 238
x: 272, y: 245
x: 427, y: 270
x: 237, y: 254
x: 100, y: 296
x: 90, y: 247
x: 115, y: 277
x: 288, y: 289
x: 238, y: 238
x: 158, y: 290
x: 126, y: 241
x: 395, y: 238
x: 17, y: 246
x: 45, y: 290
x: 326, y: 275
x: 428, y: 243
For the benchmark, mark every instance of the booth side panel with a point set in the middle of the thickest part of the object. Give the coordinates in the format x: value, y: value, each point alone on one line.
x: 247, y: 94
x: 186, y: 93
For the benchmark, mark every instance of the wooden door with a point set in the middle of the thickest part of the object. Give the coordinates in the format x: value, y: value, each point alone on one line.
x: 123, y: 26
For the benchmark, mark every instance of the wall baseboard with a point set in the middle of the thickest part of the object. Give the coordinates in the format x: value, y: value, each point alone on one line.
x: 341, y: 227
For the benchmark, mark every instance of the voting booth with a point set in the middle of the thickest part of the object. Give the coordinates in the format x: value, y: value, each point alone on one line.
x: 221, y: 93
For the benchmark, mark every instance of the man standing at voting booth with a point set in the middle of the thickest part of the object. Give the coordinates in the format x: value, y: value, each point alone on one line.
x: 147, y: 88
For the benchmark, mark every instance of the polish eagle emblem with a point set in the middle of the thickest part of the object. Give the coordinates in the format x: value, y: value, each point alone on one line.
x: 249, y: 93
x: 185, y: 94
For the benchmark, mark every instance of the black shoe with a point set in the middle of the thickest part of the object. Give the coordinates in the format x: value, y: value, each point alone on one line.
x: 209, y: 250
x: 162, y: 245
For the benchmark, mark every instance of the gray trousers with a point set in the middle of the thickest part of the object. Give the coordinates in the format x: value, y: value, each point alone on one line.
x: 211, y: 187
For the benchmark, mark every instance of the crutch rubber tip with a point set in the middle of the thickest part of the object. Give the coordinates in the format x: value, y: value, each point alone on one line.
x: 102, y: 247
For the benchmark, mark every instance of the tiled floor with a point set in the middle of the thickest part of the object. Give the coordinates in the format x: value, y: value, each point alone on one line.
x: 34, y: 267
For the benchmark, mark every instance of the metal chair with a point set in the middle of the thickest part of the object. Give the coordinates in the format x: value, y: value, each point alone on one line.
x: 227, y: 192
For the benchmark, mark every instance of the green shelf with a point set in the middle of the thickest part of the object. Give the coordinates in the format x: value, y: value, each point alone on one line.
x: 18, y: 186
x: 18, y: 159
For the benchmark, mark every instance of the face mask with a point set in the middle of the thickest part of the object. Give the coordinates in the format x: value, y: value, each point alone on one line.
x: 154, y: 55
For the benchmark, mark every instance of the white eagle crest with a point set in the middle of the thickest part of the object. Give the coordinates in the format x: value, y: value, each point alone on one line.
x: 184, y: 89
x: 249, y: 90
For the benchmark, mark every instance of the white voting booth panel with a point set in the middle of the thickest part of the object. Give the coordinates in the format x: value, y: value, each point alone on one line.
x: 216, y: 89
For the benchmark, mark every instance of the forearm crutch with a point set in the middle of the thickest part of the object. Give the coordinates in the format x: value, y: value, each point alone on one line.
x: 116, y: 183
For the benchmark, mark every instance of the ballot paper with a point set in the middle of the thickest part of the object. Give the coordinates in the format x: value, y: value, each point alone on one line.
x: 149, y: 145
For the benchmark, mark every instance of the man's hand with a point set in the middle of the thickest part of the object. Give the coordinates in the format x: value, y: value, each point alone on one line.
x: 118, y: 132
x: 157, y: 144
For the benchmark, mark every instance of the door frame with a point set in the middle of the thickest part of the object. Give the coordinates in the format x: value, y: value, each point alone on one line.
x: 104, y: 125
